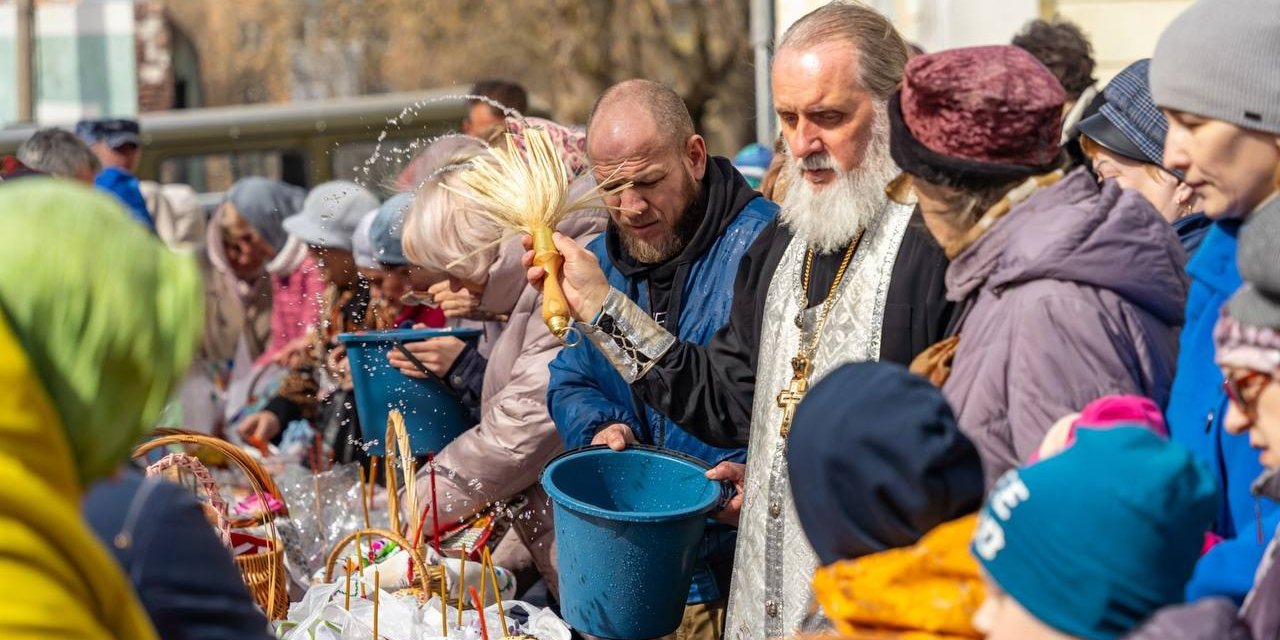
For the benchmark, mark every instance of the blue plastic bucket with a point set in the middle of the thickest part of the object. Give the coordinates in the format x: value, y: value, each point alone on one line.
x: 433, y: 415
x: 628, y: 526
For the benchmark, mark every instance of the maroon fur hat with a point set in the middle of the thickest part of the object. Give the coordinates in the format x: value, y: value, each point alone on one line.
x: 977, y: 116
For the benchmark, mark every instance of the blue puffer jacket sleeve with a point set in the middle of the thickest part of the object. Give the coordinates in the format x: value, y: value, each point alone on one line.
x: 577, y: 398
x: 1228, y: 569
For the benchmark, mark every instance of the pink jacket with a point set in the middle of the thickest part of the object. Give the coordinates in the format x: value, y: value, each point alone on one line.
x: 295, y: 304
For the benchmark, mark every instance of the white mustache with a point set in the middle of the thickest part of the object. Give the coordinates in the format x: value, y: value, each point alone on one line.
x: 817, y: 162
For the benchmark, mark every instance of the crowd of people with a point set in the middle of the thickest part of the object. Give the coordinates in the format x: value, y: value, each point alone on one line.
x: 985, y: 349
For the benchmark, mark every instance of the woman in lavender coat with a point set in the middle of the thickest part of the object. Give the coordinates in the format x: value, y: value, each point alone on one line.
x: 1068, y: 290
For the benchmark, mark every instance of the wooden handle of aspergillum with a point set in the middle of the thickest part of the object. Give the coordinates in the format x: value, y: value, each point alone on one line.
x: 555, y: 308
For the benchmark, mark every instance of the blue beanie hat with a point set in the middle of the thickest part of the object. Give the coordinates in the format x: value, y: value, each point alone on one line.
x: 1094, y: 540
x: 876, y: 461
x: 387, y: 230
x: 752, y: 162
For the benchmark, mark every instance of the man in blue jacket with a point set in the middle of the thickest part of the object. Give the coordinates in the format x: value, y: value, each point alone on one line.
x: 673, y: 245
x: 118, y: 144
x: 1224, y: 134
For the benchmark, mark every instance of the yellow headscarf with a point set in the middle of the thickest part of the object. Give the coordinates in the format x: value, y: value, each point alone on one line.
x: 98, y: 321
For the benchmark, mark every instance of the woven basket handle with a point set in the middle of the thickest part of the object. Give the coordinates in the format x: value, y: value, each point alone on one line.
x: 258, y: 477
x: 190, y: 464
x: 419, y: 566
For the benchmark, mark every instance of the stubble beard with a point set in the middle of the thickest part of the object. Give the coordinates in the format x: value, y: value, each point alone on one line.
x: 671, y: 244
x: 828, y: 216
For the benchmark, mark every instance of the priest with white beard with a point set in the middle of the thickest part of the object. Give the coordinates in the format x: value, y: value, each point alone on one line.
x: 843, y: 275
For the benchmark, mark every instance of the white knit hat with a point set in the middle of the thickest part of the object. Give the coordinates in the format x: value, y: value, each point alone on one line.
x: 330, y: 214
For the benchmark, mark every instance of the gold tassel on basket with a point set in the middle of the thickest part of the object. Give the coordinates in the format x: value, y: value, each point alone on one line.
x: 528, y: 192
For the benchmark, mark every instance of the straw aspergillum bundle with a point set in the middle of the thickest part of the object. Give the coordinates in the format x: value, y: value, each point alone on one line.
x: 527, y: 191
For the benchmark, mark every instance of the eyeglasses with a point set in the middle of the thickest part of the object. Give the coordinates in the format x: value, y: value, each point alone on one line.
x: 1244, y: 390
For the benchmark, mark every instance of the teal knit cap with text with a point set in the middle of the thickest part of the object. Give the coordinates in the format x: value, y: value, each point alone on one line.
x: 1095, y: 539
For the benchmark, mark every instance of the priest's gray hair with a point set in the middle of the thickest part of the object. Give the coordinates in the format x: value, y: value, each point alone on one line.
x: 882, y: 53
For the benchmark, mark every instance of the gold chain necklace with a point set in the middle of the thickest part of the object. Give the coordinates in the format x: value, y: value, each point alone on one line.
x: 802, y: 364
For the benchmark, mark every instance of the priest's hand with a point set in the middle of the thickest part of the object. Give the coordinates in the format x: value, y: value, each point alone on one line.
x: 735, y: 473
x: 581, y: 278
x: 617, y: 436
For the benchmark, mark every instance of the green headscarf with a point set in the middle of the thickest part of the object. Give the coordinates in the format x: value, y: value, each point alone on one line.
x: 108, y: 315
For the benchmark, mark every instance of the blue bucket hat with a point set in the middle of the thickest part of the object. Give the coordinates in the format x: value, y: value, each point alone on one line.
x: 115, y: 132
x: 387, y: 230
x: 1094, y: 540
x: 1129, y: 123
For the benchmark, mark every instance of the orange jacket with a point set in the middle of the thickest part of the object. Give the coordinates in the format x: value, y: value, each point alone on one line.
x: 928, y: 591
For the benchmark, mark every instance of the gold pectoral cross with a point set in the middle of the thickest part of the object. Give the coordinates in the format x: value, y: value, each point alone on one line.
x: 789, y: 398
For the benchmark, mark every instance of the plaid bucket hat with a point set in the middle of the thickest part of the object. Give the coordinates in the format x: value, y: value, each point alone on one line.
x: 1129, y: 123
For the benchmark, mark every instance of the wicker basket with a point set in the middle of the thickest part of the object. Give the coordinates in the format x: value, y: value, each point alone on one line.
x: 258, y: 477
x: 179, y: 462
x: 264, y: 572
x: 429, y: 577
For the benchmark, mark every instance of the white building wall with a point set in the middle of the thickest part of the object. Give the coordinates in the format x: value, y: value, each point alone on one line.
x: 936, y: 24
x: 1121, y: 30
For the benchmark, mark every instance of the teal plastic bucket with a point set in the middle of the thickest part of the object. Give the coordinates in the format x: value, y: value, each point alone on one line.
x: 628, y: 527
x: 433, y: 415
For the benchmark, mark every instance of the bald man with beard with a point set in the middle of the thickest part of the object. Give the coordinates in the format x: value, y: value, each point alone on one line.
x: 672, y: 246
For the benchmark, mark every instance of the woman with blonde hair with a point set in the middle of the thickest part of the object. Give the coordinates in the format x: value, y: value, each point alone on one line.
x: 500, y: 458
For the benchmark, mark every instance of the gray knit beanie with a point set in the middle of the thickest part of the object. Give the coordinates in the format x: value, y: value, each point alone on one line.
x: 1257, y: 303
x: 1221, y: 59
